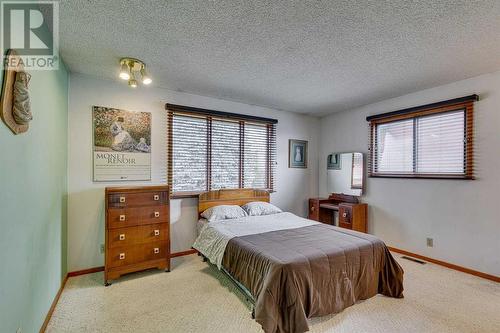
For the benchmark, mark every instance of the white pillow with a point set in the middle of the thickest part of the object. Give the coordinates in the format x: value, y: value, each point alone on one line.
x: 258, y: 208
x: 223, y: 212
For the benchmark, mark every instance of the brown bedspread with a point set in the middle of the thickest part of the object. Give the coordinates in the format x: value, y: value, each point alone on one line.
x: 312, y: 271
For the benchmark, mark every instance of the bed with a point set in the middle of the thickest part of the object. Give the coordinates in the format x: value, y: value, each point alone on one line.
x: 293, y: 268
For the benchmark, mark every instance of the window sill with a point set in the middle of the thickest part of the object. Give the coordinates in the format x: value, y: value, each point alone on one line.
x: 422, y: 176
x: 185, y: 195
x: 196, y: 194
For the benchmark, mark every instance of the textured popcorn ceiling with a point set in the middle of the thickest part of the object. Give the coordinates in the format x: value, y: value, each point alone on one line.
x: 304, y: 56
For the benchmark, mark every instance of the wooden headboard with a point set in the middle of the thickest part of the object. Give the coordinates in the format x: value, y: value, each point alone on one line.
x: 230, y: 197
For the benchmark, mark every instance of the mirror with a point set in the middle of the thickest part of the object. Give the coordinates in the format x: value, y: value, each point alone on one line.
x: 345, y: 173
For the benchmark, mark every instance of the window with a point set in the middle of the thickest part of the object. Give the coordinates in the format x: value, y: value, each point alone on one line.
x: 431, y: 141
x: 211, y: 150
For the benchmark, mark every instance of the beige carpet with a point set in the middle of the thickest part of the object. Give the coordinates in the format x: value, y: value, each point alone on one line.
x: 195, y: 297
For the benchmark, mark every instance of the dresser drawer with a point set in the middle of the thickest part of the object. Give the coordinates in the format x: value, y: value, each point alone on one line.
x: 153, y: 251
x: 123, y: 256
x: 122, y: 200
x: 345, y: 217
x: 314, y: 209
x: 128, y: 236
x: 128, y: 217
x: 153, y: 233
x: 129, y: 255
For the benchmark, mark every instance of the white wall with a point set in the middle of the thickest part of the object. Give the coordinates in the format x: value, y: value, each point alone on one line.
x: 86, y: 199
x: 461, y: 216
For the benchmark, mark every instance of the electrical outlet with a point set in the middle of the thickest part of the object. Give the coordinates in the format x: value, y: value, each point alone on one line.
x: 101, y: 248
x: 430, y: 242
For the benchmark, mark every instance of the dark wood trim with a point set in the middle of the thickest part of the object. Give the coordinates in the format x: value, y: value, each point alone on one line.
x: 183, y: 195
x: 183, y: 253
x: 447, y: 265
x: 469, y: 140
x: 136, y: 189
x: 53, y: 305
x: 459, y: 100
x: 421, y: 176
x: 220, y: 114
x: 86, y: 271
x: 170, y: 145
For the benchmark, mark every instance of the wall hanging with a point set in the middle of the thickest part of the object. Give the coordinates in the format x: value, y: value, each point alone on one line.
x: 15, y: 103
x: 122, y: 145
x: 297, y: 153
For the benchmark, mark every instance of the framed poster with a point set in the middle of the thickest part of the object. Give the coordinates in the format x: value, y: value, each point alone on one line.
x: 121, y: 144
x: 297, y: 153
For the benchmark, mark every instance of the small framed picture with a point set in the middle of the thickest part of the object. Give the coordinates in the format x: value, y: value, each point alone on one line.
x: 297, y: 153
x: 334, y: 162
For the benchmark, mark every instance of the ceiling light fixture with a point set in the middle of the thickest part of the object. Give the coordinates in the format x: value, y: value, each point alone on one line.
x: 130, y: 66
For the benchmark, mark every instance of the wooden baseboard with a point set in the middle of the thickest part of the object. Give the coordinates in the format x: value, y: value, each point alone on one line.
x: 86, y: 271
x: 101, y: 268
x: 447, y: 265
x: 53, y: 305
x: 183, y: 253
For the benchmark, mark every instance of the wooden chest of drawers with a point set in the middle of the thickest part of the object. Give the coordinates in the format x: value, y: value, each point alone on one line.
x: 137, y: 230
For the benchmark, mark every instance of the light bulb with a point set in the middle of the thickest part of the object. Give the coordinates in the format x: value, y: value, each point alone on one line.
x: 145, y: 77
x: 132, y: 83
x: 124, y: 72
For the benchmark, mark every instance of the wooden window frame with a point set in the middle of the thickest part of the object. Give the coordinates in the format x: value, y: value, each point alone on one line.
x: 210, y: 115
x: 458, y: 104
x: 356, y: 187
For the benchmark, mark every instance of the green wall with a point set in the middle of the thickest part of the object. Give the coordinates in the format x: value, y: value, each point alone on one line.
x: 33, y: 191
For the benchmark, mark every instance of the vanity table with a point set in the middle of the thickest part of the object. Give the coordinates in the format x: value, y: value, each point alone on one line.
x: 352, y: 214
x: 345, y: 183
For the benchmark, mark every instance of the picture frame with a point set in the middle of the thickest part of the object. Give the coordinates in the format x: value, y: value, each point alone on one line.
x: 121, y: 145
x: 297, y: 154
x: 334, y: 161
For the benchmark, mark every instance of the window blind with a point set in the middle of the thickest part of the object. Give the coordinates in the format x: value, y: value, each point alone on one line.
x: 215, y: 150
x: 433, y: 141
x: 225, y: 161
x: 440, y: 143
x: 394, y: 147
x: 189, y: 146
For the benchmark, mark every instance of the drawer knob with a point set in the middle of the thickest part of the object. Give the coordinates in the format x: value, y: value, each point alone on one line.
x: 122, y: 218
x: 157, y: 232
x: 122, y: 236
x: 157, y: 250
x: 122, y: 199
x: 156, y: 197
x: 157, y: 214
x: 122, y: 256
